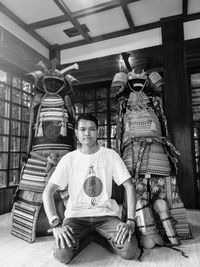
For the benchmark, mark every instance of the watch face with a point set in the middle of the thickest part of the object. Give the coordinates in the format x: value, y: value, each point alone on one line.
x: 55, y: 222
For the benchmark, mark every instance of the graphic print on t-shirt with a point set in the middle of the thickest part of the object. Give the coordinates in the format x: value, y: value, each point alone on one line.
x: 92, y: 186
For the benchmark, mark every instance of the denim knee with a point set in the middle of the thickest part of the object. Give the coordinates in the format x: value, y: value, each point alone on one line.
x: 129, y: 253
x: 64, y: 255
x: 129, y: 250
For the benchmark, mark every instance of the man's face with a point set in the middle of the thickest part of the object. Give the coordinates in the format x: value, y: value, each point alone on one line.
x: 87, y: 132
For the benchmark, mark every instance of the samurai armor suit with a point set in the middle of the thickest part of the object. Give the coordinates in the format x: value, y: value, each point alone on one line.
x: 144, y: 145
x: 51, y: 135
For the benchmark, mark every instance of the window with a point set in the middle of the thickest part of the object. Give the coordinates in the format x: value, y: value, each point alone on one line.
x: 98, y: 99
x: 15, y: 97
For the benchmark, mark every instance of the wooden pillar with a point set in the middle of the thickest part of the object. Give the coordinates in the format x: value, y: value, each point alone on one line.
x: 178, y: 104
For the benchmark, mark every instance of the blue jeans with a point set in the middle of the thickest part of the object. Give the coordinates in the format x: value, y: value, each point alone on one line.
x: 106, y: 226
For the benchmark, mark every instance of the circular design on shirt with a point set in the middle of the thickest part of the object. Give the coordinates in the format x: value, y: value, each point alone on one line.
x: 93, y: 186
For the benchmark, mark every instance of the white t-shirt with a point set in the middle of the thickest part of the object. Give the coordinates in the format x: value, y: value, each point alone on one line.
x: 89, y: 180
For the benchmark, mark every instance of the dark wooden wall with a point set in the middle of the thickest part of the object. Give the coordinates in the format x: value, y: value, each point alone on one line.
x: 6, y: 199
x: 178, y: 105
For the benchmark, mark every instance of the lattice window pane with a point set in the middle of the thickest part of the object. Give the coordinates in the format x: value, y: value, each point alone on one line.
x: 15, y: 128
x: 101, y: 93
x: 16, y: 82
x: 4, y: 92
x: 16, y: 112
x: 26, y: 100
x: 24, y: 129
x: 89, y: 107
x: 4, y: 143
x: 14, y: 160
x: 15, y: 144
x: 5, y: 77
x: 25, y: 114
x: 14, y: 177
x: 3, y: 161
x: 16, y: 96
x: 102, y: 118
x: 3, y: 179
x: 24, y: 142
x: 4, y: 109
x: 4, y: 128
x: 26, y: 87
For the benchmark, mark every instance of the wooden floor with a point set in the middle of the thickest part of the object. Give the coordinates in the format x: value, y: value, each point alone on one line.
x: 16, y: 252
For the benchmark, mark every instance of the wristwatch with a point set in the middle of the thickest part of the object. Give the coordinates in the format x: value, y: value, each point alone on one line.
x: 131, y: 220
x: 54, y: 221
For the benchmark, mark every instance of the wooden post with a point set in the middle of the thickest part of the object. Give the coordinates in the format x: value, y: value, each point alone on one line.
x: 178, y: 104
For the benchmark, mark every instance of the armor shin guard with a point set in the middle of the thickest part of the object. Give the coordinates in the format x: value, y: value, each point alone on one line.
x: 147, y: 226
x: 161, y: 207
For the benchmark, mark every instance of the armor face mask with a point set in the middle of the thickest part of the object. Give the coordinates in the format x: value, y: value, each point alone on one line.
x: 136, y: 81
x: 54, y: 82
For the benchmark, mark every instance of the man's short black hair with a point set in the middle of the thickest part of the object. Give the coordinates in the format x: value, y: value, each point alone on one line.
x: 87, y: 117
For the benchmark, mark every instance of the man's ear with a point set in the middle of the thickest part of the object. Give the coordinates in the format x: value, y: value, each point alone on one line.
x: 76, y: 132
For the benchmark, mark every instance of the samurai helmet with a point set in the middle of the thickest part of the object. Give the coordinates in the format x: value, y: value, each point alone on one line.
x: 52, y: 80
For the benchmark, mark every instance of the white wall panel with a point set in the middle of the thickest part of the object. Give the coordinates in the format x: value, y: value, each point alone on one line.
x: 112, y: 46
x: 192, y: 29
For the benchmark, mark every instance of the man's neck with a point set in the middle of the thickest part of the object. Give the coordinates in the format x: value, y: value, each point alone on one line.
x: 89, y: 150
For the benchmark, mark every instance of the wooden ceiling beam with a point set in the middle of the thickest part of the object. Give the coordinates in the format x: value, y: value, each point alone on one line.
x: 74, y: 21
x: 184, y: 8
x: 47, y: 22
x: 76, y: 15
x: 121, y: 33
x: 23, y: 25
x: 96, y: 9
x: 100, y: 8
x: 96, y: 39
x: 193, y: 16
x: 69, y: 16
x: 79, y: 14
x: 127, y: 14
x: 116, y: 34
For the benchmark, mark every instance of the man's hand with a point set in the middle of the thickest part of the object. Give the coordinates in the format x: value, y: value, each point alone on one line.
x: 124, y: 230
x: 63, y: 236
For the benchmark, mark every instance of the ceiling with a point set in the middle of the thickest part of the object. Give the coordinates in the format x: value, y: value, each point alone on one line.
x: 95, y: 25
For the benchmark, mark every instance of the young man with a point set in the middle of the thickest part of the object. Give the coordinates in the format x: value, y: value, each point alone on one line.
x: 88, y: 172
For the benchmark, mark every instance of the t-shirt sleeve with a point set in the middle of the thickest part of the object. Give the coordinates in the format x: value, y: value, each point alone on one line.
x: 61, y: 173
x: 120, y: 171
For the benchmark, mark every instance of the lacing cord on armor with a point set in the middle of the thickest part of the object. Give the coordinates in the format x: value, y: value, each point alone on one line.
x: 176, y: 249
x: 170, y: 247
x: 38, y: 115
x: 143, y: 207
x: 146, y: 226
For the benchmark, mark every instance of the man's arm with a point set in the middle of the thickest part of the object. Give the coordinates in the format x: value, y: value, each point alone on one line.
x: 128, y: 228
x: 63, y: 235
x: 131, y: 198
x: 48, y: 200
